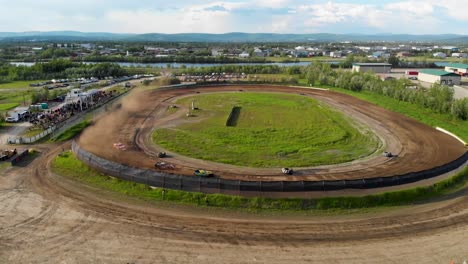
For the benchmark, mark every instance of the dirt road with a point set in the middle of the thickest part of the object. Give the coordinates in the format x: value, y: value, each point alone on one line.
x: 45, y: 218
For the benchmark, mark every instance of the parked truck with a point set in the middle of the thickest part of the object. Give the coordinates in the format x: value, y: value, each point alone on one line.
x: 409, y: 72
x: 17, y: 116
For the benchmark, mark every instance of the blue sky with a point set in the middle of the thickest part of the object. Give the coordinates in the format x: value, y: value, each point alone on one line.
x: 276, y: 16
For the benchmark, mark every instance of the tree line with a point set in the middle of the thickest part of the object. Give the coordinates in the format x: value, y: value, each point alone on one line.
x: 247, y: 69
x: 171, y: 59
x: 438, y: 98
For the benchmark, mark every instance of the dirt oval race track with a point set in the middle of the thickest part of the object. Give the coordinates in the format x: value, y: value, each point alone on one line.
x: 418, y: 147
x: 46, y: 218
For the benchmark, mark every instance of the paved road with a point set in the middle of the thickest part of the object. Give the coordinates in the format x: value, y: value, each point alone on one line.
x: 460, y: 91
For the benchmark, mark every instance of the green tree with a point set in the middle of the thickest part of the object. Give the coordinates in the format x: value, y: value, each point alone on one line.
x: 394, y: 61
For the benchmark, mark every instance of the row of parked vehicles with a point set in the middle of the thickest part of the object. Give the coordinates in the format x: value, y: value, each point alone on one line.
x: 63, y: 83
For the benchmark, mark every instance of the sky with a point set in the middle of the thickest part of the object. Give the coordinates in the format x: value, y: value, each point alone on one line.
x: 252, y: 16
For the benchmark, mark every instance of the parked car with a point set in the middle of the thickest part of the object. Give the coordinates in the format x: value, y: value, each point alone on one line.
x: 11, y: 119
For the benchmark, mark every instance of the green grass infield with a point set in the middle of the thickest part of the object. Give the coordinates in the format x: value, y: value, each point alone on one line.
x: 268, y: 130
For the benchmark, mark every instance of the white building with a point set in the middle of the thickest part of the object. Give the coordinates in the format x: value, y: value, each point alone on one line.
x: 336, y: 54
x: 459, y: 55
x: 459, y: 68
x: 438, y: 76
x: 216, y: 52
x: 244, y: 55
x: 259, y: 53
x: 440, y: 55
x: 300, y: 49
x: 374, y: 67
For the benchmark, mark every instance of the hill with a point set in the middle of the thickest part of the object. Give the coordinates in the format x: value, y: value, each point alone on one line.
x: 227, y: 37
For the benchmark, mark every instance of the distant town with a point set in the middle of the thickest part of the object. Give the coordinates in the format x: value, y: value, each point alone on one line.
x: 197, y: 52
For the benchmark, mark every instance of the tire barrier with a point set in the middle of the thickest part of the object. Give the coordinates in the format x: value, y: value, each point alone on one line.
x: 218, y: 185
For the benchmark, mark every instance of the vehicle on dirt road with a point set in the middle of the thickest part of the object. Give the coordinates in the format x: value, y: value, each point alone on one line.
x: 203, y: 173
x: 7, y: 154
x: 162, y: 155
x: 164, y: 166
x: 387, y: 154
x: 287, y: 171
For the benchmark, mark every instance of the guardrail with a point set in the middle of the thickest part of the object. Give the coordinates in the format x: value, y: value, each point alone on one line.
x: 218, y: 185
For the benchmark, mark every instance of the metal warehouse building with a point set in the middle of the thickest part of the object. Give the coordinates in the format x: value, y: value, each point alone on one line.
x: 443, y: 77
x: 374, y: 67
x: 459, y: 68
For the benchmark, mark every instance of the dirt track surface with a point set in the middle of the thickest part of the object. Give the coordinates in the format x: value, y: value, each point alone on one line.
x: 417, y: 146
x: 45, y: 218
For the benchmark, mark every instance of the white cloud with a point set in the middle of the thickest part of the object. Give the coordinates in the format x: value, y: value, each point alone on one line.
x: 194, y: 19
x: 457, y: 9
x: 400, y: 17
x: 417, y: 8
x: 271, y: 3
x: 218, y: 16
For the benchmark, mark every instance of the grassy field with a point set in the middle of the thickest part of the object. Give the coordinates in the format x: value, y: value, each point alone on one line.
x: 273, y: 130
x: 73, y: 131
x: 8, y: 106
x: 69, y: 166
x: 13, y: 97
x: 18, y: 84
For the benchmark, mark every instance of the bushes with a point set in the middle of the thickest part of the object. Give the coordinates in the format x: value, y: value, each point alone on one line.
x: 43, y: 95
x: 438, y: 98
x: 459, y: 108
x: 73, y: 131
